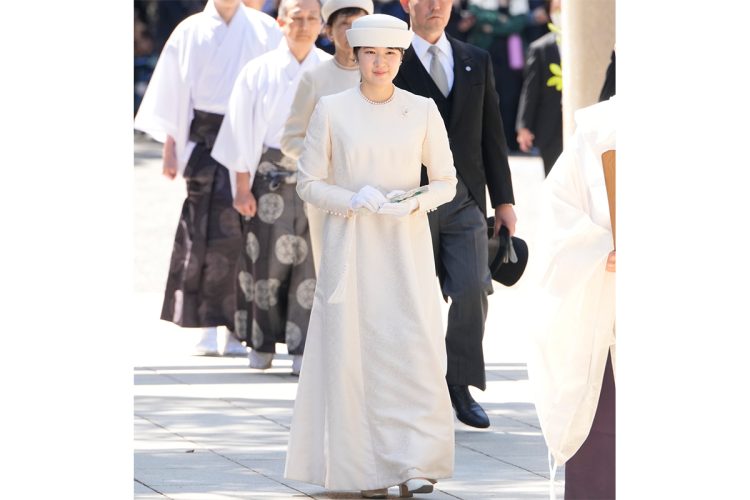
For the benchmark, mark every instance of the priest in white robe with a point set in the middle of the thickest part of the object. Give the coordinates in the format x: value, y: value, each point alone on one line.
x: 276, y: 279
x: 183, y: 107
x: 330, y: 77
x: 572, y: 358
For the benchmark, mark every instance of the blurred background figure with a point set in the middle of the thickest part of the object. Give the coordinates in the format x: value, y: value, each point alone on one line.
x: 536, y: 21
x: 392, y: 8
x: 497, y: 28
x: 539, y: 121
x: 461, y: 20
x: 144, y: 60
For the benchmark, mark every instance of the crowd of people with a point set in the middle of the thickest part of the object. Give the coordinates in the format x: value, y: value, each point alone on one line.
x: 334, y: 191
x: 505, y: 28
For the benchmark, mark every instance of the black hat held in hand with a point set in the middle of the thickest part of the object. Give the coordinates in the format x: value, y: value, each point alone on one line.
x: 507, y: 255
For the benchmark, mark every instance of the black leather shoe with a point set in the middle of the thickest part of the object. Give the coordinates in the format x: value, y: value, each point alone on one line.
x: 468, y: 411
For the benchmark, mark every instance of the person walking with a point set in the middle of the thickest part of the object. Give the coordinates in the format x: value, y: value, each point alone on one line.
x: 459, y: 78
x: 371, y: 409
x: 330, y: 77
x: 276, y: 279
x: 539, y: 121
x: 183, y: 107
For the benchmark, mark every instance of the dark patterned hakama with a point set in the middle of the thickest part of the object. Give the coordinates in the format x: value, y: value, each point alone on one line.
x: 276, y: 279
x: 200, y: 288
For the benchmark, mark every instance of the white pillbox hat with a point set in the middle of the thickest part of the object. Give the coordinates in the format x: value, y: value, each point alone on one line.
x: 379, y: 30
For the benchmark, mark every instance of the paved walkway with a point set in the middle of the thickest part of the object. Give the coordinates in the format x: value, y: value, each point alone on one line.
x: 210, y: 428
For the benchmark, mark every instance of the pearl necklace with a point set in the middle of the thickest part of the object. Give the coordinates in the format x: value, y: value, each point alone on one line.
x: 377, y: 103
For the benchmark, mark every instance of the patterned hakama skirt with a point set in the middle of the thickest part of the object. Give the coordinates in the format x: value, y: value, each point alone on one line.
x: 276, y: 280
x: 200, y: 289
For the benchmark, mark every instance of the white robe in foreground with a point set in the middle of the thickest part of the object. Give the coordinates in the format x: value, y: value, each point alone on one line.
x: 197, y: 69
x: 258, y: 108
x: 574, y: 329
x: 372, y: 408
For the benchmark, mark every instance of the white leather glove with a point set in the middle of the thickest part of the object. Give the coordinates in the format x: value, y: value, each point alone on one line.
x: 368, y: 197
x: 399, y: 209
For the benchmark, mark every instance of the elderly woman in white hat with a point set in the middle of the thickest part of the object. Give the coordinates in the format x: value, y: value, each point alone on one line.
x: 372, y: 409
x: 330, y: 77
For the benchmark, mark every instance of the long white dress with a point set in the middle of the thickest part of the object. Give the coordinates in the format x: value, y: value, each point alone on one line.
x: 372, y: 408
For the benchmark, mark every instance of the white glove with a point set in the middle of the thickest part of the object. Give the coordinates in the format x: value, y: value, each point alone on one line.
x: 368, y: 197
x: 399, y: 209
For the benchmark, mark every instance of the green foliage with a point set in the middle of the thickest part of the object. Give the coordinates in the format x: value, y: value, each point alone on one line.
x: 556, y: 79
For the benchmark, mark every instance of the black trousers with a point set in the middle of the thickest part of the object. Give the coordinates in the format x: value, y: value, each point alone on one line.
x: 459, y: 241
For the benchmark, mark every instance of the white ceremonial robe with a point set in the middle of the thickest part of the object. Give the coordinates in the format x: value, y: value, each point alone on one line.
x: 327, y: 79
x: 575, y: 298
x: 372, y: 408
x: 258, y: 108
x: 197, y: 69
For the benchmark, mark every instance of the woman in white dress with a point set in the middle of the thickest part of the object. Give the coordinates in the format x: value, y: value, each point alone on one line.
x: 372, y: 409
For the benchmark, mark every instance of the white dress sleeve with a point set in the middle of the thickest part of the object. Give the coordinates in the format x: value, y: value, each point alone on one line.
x: 315, y: 182
x: 438, y: 159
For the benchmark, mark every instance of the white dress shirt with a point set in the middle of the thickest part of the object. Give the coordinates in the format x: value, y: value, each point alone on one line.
x: 421, y: 47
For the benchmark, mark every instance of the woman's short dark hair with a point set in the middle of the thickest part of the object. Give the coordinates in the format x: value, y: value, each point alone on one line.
x: 356, y: 51
x: 345, y: 12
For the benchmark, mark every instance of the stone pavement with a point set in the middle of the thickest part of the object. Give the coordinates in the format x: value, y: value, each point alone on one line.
x: 210, y: 428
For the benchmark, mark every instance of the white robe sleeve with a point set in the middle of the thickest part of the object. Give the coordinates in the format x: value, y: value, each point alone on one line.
x: 166, y: 109
x: 438, y: 159
x: 239, y: 143
x: 314, y: 168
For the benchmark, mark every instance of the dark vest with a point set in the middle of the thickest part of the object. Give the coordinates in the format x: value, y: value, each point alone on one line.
x: 444, y: 105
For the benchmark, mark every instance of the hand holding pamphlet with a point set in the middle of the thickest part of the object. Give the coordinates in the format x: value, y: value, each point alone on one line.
x: 401, y: 196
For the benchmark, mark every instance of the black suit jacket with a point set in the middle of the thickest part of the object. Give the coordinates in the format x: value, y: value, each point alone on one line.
x: 540, y: 107
x: 475, y: 129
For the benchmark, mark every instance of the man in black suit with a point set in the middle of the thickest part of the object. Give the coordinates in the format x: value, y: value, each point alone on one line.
x: 539, y: 120
x: 459, y: 78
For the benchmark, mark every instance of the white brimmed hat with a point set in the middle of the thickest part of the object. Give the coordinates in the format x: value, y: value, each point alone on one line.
x: 379, y: 30
x: 331, y: 6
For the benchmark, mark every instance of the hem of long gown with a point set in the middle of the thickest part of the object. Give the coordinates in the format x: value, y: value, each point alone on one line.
x: 386, y: 483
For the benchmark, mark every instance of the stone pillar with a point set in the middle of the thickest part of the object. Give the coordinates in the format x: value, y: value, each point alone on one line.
x: 588, y: 37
